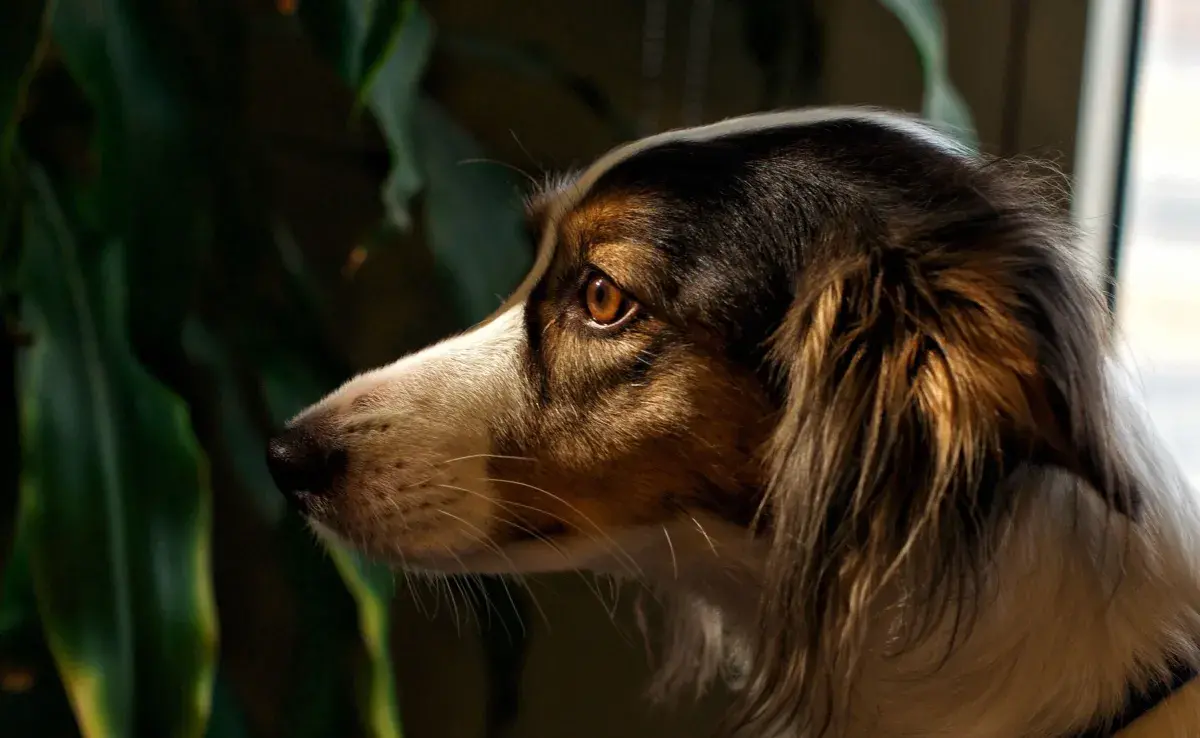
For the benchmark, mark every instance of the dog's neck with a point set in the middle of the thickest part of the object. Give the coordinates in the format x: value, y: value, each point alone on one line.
x: 1080, y: 605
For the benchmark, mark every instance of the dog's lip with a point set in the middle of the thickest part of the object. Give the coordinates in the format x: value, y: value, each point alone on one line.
x: 519, y: 557
x: 310, y: 503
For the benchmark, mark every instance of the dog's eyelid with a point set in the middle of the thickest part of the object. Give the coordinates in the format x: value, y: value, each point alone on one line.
x: 590, y: 272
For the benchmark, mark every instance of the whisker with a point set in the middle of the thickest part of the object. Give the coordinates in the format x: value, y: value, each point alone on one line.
x: 445, y: 582
x: 704, y: 533
x: 671, y: 546
x: 414, y: 591
x: 486, y: 540
x: 483, y: 160
x: 512, y: 504
x: 616, y: 547
x: 468, y: 601
x: 511, y: 600
x: 612, y: 609
x: 471, y: 583
x: 430, y: 582
x: 408, y: 584
x: 446, y: 462
x: 485, y: 456
x: 614, y: 593
x: 588, y: 582
x: 509, y: 503
x: 528, y: 155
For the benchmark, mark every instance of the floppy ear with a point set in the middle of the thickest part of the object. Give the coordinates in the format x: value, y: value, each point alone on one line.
x: 919, y: 379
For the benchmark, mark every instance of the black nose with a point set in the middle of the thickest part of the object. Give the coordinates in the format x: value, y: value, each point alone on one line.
x: 303, y: 464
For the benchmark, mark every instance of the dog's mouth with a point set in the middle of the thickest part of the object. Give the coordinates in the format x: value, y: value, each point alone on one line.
x: 448, y: 533
x: 443, y: 514
x: 454, y: 515
x: 406, y: 510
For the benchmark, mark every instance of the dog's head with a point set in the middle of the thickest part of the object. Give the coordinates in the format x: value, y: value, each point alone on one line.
x: 834, y: 334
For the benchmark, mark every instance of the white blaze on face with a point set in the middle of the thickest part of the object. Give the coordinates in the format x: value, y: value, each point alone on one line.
x: 475, y: 368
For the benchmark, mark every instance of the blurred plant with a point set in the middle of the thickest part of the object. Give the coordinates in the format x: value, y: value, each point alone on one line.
x: 785, y: 39
x: 943, y: 105
x: 135, y: 239
x: 135, y: 242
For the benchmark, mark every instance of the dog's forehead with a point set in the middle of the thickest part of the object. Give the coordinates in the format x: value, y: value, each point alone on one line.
x: 855, y: 122
x: 563, y: 197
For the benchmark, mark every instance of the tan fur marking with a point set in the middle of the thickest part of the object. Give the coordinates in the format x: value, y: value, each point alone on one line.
x: 628, y: 262
x: 621, y: 459
x: 600, y: 218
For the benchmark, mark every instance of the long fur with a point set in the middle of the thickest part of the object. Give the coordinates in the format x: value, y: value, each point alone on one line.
x: 923, y: 370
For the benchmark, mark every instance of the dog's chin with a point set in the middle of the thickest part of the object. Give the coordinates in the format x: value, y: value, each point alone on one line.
x: 615, y: 554
x: 453, y: 555
x: 636, y: 551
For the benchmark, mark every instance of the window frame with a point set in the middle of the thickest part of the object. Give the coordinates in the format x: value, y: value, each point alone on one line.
x: 1112, y: 63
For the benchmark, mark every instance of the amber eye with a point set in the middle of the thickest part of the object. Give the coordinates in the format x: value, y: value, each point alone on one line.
x: 606, y: 305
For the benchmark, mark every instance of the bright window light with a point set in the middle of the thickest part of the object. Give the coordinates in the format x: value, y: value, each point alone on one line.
x: 1158, y: 293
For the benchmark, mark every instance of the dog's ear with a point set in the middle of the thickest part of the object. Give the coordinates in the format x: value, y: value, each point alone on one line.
x: 918, y: 380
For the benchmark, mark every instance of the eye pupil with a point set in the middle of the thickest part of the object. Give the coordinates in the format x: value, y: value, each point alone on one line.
x: 605, y: 303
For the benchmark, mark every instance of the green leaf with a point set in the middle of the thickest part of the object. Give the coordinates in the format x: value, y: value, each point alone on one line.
x: 290, y: 386
x: 22, y: 37
x: 380, y: 48
x: 391, y: 95
x: 157, y: 113
x: 114, y: 497
x: 371, y: 585
x: 473, y: 214
x: 352, y: 34
x: 386, y: 22
x: 943, y: 105
x: 32, y: 702
x: 361, y: 37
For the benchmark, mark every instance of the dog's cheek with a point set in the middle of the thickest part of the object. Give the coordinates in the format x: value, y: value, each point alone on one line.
x: 687, y: 439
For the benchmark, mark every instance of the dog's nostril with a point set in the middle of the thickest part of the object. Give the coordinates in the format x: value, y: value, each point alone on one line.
x: 302, y: 463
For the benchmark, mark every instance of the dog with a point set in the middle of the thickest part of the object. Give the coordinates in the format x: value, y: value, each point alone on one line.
x: 842, y: 392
